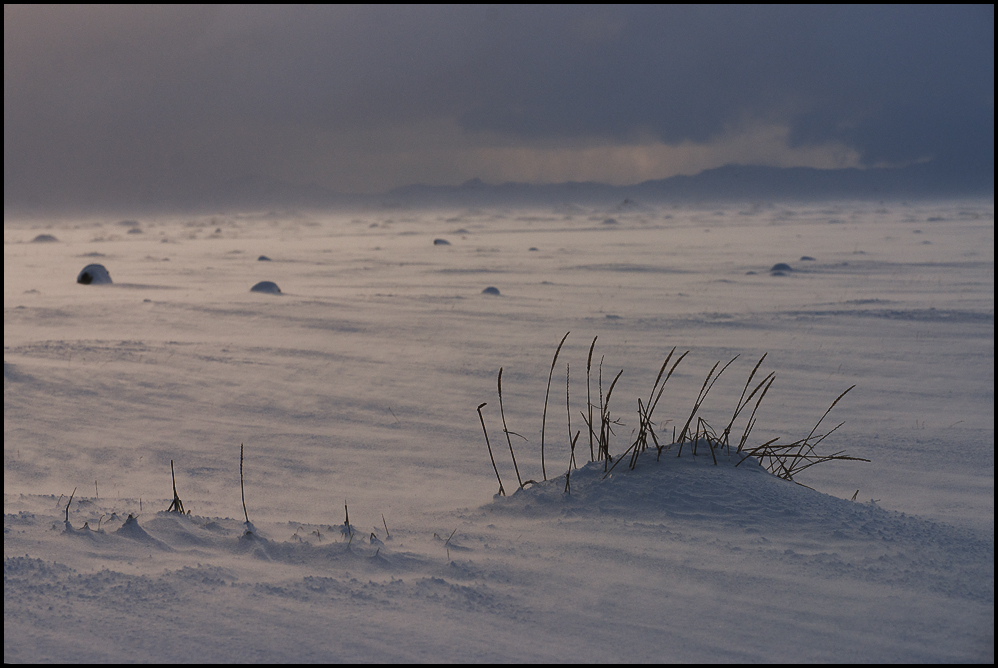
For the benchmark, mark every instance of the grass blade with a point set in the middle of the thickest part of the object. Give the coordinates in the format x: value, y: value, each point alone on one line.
x: 544, y: 418
x: 502, y: 490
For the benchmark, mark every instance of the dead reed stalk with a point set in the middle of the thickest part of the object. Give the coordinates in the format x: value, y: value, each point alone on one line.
x: 589, y: 399
x: 505, y: 429
x: 743, y: 401
x: 568, y: 409
x: 502, y: 490
x: 605, y: 421
x: 242, y: 487
x: 784, y: 461
x: 69, y: 504
x: 544, y: 417
x: 178, y: 506
x: 707, y: 385
x: 751, y: 421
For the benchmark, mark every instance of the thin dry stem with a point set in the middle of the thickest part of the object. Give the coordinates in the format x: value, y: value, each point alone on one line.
x: 707, y: 385
x: 505, y: 429
x: 242, y: 487
x: 502, y: 490
x: 177, y: 506
x: 69, y: 504
x: 589, y: 399
x: 544, y: 418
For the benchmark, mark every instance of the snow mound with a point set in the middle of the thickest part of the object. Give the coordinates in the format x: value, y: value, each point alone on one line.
x: 491, y: 290
x: 669, y: 485
x: 131, y: 529
x: 725, y: 495
x: 268, y: 287
x: 94, y: 274
x: 185, y: 531
x: 683, y: 498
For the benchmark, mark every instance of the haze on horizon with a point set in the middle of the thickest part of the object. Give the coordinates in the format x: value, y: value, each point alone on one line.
x: 126, y: 106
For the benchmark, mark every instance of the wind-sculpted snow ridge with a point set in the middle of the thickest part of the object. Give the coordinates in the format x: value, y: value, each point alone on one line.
x: 221, y: 537
x: 540, y: 574
x: 799, y: 527
x: 184, y: 578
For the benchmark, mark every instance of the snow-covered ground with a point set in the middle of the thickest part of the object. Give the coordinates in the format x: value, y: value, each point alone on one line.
x: 358, y: 384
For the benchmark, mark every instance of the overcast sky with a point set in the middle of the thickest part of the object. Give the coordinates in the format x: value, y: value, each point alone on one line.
x: 120, y: 103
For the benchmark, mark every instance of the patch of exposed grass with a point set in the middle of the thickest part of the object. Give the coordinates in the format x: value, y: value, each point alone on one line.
x: 784, y: 460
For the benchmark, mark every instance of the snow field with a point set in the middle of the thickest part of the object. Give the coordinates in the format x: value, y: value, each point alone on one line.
x: 359, y: 383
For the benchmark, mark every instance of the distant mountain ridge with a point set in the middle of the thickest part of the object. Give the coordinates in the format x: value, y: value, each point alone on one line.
x: 745, y: 183
x: 730, y: 182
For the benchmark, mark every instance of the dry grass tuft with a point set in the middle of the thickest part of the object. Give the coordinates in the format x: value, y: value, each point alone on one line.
x: 783, y: 460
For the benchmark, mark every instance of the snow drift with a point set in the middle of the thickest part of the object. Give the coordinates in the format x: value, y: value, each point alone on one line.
x: 94, y: 274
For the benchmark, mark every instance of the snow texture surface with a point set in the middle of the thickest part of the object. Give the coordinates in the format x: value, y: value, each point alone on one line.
x: 356, y: 393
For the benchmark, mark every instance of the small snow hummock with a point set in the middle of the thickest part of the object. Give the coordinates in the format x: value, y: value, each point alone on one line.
x: 491, y: 290
x: 94, y: 274
x: 268, y: 287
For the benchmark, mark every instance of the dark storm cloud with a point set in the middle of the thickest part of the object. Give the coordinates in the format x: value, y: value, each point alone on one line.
x: 899, y: 83
x: 134, y: 101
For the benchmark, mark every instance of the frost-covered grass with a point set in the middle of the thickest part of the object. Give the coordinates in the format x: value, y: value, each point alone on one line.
x: 355, y: 390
